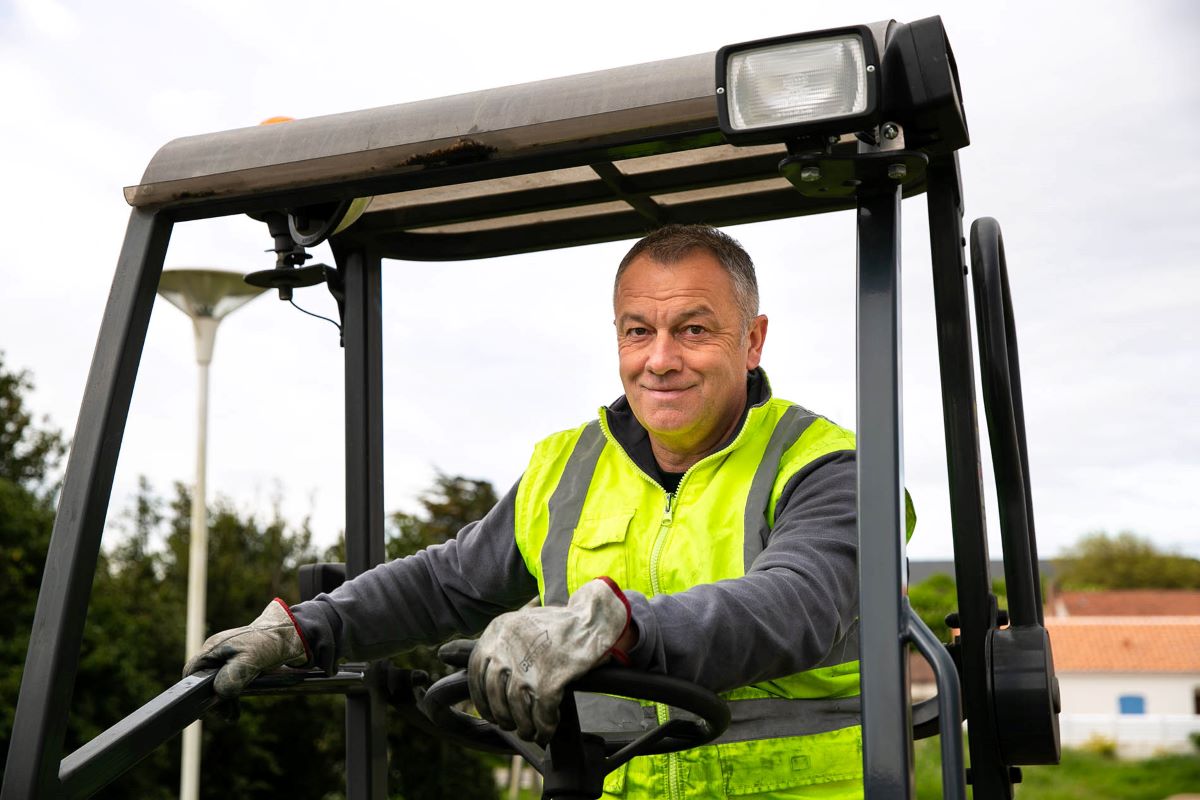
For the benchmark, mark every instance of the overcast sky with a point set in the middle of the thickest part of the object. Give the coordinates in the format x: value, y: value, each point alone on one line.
x: 1083, y: 123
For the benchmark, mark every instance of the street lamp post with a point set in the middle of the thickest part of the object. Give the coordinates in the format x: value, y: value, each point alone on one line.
x: 207, y: 296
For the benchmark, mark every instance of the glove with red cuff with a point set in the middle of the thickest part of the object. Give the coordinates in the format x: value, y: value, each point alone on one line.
x: 525, y: 659
x: 273, y: 640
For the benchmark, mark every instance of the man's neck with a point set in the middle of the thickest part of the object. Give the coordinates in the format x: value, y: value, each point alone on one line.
x: 680, y: 458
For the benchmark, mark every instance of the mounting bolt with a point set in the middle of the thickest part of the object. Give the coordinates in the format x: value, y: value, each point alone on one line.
x: 890, y: 130
x: 897, y: 171
x: 810, y: 174
x: 833, y: 139
x: 720, y: 90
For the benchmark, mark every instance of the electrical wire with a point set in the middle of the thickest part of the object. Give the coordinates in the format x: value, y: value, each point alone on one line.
x: 318, y: 316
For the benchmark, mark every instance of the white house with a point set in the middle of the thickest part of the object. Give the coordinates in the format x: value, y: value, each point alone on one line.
x: 1132, y: 679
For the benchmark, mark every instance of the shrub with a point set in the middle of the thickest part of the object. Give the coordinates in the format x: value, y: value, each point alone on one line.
x: 1101, y: 746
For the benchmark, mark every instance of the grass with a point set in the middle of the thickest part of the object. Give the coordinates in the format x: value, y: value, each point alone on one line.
x: 1082, y: 775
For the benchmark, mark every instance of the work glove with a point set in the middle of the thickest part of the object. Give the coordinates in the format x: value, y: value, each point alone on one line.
x: 525, y: 659
x: 271, y: 641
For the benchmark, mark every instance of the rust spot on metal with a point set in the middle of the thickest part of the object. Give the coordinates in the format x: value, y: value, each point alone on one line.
x: 464, y: 151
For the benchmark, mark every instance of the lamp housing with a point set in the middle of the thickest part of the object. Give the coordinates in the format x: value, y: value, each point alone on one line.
x: 810, y: 84
x: 921, y: 87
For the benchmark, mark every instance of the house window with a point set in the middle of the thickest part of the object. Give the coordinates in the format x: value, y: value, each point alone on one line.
x: 1132, y: 704
x: 1196, y: 700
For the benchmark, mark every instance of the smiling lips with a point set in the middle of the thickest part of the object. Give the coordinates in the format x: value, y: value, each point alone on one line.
x: 666, y: 392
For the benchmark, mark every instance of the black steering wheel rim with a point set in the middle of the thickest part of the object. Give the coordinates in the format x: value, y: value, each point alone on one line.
x: 711, y: 714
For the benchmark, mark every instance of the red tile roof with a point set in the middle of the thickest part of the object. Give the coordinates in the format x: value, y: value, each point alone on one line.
x: 1127, y: 603
x: 1121, y: 644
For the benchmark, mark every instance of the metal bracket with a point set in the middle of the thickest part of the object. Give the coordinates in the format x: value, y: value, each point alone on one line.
x: 286, y: 278
x: 823, y: 176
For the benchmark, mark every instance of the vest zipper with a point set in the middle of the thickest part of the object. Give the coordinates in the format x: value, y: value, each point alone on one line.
x: 660, y: 540
x: 662, y: 712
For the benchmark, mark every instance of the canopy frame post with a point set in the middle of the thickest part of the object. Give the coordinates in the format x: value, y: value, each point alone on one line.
x: 362, y: 330
x: 977, y: 608
x: 52, y: 660
x: 886, y: 715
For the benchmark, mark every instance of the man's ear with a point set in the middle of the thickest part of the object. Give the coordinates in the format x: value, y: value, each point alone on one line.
x: 755, y: 338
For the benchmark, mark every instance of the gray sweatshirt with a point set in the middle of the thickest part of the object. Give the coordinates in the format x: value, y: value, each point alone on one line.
x: 787, y: 613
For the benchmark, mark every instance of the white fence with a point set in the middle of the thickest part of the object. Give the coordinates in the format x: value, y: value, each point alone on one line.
x: 1136, y: 735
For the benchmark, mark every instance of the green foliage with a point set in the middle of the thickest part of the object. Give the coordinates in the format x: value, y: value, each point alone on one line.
x: 29, y: 454
x: 425, y: 767
x: 133, y: 650
x: 453, y: 502
x: 1124, y: 561
x: 1102, y: 746
x: 937, y: 596
x: 927, y: 767
x: 133, y: 646
x: 1086, y: 776
x: 932, y: 599
x: 1082, y: 775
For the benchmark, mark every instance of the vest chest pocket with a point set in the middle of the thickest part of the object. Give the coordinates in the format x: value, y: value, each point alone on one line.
x: 598, y: 548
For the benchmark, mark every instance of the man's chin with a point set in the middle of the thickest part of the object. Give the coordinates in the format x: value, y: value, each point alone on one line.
x: 665, y: 421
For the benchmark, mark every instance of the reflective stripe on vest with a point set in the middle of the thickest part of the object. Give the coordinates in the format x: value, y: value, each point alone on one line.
x: 751, y: 719
x: 565, y: 505
x: 792, y: 424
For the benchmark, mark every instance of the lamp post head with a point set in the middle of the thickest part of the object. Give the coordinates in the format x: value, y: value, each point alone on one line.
x: 207, y: 296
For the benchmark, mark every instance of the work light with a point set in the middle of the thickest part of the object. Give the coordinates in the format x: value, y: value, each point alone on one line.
x: 815, y: 83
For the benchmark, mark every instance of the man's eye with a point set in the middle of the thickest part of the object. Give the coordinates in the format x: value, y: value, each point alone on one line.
x: 636, y: 332
x: 694, y: 330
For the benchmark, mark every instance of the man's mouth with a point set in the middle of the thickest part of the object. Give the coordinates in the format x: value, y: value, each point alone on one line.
x: 666, y: 391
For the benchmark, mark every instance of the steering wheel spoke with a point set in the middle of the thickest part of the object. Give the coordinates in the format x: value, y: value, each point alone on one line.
x: 575, y: 762
x: 678, y: 728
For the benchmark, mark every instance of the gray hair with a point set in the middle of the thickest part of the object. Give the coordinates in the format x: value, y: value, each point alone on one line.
x: 670, y: 243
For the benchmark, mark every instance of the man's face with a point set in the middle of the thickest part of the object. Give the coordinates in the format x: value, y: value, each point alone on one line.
x: 684, y: 351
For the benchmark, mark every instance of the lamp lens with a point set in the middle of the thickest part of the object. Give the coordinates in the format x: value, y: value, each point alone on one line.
x: 797, y: 82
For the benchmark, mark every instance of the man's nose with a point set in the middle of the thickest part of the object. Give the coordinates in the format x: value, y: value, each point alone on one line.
x: 665, y: 355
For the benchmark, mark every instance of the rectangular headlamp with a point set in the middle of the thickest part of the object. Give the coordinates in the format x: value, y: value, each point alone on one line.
x: 820, y: 83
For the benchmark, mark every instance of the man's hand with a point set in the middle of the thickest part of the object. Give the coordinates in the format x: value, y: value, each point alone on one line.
x: 526, y: 658
x: 271, y: 641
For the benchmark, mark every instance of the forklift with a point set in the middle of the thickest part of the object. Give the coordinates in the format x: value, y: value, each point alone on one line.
x: 855, y: 119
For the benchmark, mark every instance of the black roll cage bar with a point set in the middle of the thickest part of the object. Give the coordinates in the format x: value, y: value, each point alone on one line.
x: 607, y: 156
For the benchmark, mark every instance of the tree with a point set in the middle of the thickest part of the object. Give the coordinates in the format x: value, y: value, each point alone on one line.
x: 277, y: 747
x: 421, y: 766
x: 133, y: 637
x: 30, y: 452
x: 937, y: 596
x: 932, y: 599
x: 133, y: 650
x: 1124, y: 561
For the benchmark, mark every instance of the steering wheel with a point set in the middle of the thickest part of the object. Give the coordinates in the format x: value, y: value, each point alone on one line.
x: 574, y: 763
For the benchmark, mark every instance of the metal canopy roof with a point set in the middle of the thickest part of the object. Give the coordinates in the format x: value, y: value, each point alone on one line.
x: 587, y: 158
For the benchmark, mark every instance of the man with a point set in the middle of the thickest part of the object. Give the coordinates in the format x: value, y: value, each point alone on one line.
x: 699, y: 528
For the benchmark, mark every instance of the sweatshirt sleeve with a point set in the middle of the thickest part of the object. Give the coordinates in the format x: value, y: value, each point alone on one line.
x: 786, y: 614
x: 454, y: 588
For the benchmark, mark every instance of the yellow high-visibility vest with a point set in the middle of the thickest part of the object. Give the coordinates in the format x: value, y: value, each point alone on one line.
x: 584, y: 509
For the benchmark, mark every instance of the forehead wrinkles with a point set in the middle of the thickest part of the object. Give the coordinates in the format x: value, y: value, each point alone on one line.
x: 674, y: 307
x: 697, y: 280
